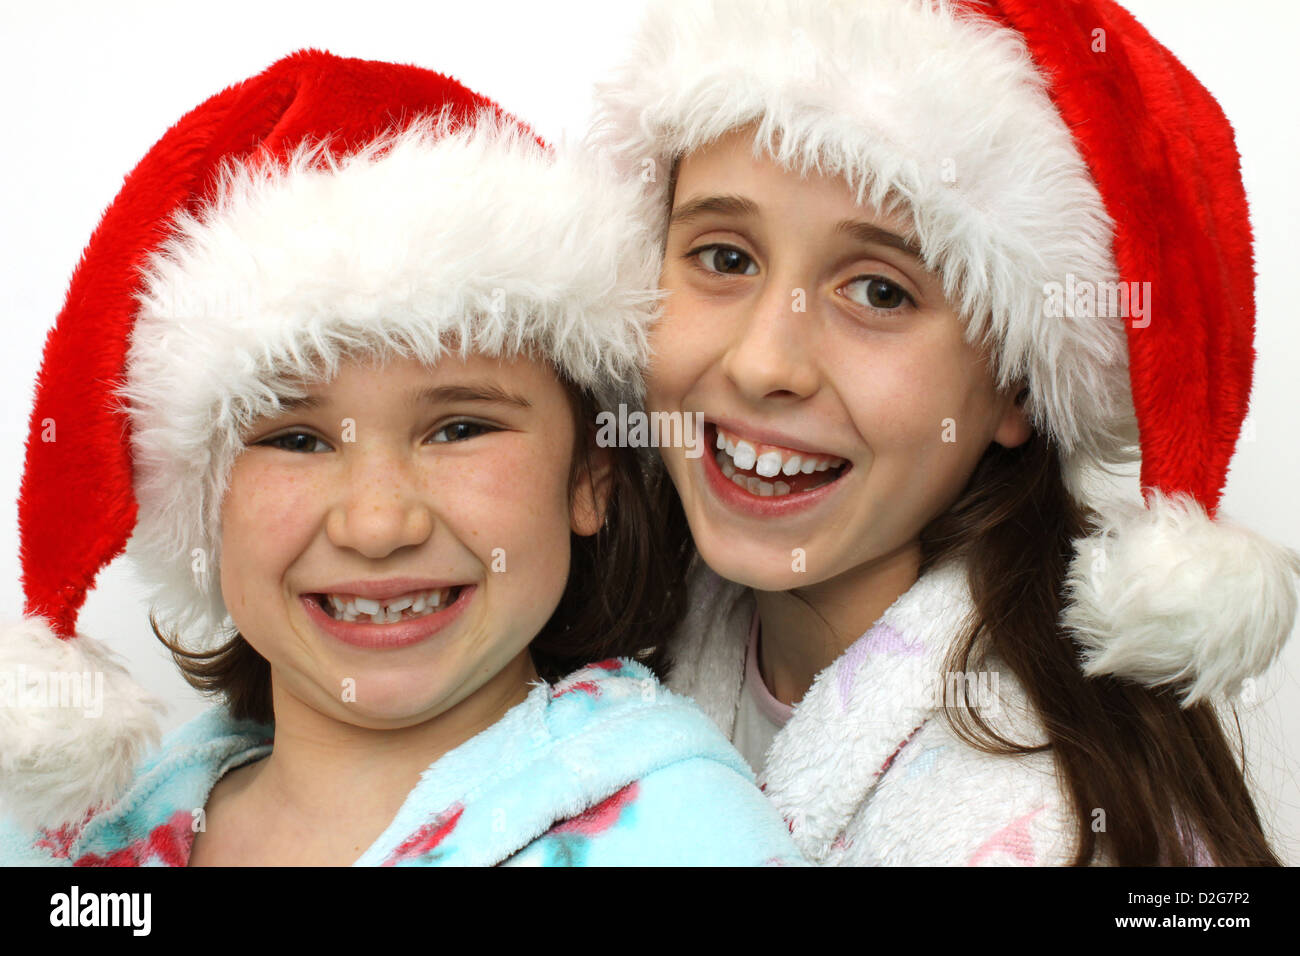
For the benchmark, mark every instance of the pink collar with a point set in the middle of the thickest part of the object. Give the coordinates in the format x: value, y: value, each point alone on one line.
x: 771, y: 708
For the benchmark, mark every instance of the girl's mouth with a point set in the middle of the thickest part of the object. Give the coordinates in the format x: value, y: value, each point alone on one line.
x: 769, y: 471
x: 407, y: 607
x: 765, y: 479
x: 396, y: 622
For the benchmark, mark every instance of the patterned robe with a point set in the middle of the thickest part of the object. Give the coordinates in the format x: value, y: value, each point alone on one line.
x: 606, y: 767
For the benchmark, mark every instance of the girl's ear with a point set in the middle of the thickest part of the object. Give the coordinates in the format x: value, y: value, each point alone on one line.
x: 1013, y: 428
x: 591, y: 492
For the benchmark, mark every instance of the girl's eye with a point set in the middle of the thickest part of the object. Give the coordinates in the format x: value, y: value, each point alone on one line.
x: 876, y: 292
x: 459, y: 431
x: 278, y: 440
x: 302, y: 441
x: 725, y: 260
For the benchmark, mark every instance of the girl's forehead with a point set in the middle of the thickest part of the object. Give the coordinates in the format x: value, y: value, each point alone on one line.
x: 737, y: 175
x: 450, y: 363
x: 508, y: 380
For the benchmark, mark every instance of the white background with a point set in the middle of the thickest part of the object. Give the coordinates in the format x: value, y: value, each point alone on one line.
x: 89, y: 87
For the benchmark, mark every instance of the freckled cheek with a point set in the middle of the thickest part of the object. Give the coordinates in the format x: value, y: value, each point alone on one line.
x: 517, y: 502
x: 267, y: 519
x: 276, y: 504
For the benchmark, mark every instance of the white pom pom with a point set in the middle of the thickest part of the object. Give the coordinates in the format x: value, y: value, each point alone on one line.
x: 73, y: 725
x: 1164, y: 595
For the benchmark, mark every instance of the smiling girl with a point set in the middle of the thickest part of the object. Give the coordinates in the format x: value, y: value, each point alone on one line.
x: 935, y: 269
x: 357, y: 324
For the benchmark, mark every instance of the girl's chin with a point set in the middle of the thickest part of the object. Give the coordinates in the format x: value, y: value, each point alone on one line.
x: 377, y: 699
x: 388, y: 711
x: 754, y: 564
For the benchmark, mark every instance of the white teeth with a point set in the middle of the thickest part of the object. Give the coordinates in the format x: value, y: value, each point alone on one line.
x: 744, y: 456
x: 769, y: 464
x: 740, y: 479
x: 782, y: 488
x: 386, y: 612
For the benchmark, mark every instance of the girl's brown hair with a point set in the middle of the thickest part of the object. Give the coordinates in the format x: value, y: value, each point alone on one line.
x: 624, y: 593
x: 1164, y: 775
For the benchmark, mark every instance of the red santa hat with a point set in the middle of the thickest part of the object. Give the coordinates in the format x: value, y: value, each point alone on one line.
x: 324, y: 206
x: 1042, y: 150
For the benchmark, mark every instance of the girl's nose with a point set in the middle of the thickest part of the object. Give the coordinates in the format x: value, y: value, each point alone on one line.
x: 385, y: 506
x: 772, y: 353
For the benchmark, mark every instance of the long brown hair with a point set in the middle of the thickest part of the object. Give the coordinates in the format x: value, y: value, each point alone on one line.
x: 1162, y: 774
x: 624, y: 593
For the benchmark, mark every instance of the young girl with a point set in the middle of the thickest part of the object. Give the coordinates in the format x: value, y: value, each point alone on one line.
x: 933, y: 268
x: 357, y: 323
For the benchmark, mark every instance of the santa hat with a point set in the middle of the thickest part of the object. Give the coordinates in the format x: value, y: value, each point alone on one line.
x: 324, y: 206
x: 1044, y: 150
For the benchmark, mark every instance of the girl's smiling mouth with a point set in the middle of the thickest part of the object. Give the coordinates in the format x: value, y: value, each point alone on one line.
x: 766, y: 479
x: 419, y: 617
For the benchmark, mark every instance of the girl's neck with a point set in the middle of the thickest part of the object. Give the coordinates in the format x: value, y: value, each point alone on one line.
x: 800, y: 640
x: 330, y: 781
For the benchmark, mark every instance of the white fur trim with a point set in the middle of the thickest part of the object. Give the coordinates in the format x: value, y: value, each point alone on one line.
x: 941, y: 800
x: 62, y: 755
x: 893, y: 96
x: 425, y: 238
x: 1164, y: 595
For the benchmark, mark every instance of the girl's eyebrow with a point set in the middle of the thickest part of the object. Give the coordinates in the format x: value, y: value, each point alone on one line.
x: 432, y: 395
x: 726, y: 205
x: 864, y: 232
x: 871, y: 234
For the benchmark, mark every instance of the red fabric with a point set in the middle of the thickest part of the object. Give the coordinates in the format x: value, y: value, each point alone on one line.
x: 76, y: 506
x: 426, y: 838
x: 1164, y: 158
x: 596, y: 820
x: 168, y: 843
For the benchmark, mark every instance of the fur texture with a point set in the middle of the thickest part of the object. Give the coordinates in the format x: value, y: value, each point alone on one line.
x: 1163, y: 595
x: 427, y: 243
x: 603, y: 768
x: 56, y: 762
x: 963, y: 139
x: 866, y: 771
x: 323, y: 207
x: 1030, y: 153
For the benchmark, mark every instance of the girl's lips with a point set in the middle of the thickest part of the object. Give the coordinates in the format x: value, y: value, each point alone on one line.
x: 761, y: 437
x: 739, y: 499
x: 385, y: 636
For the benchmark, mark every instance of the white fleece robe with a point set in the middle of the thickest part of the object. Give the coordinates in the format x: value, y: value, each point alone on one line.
x: 867, y: 771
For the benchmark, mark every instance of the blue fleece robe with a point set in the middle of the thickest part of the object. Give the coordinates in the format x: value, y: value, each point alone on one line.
x: 606, y: 767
